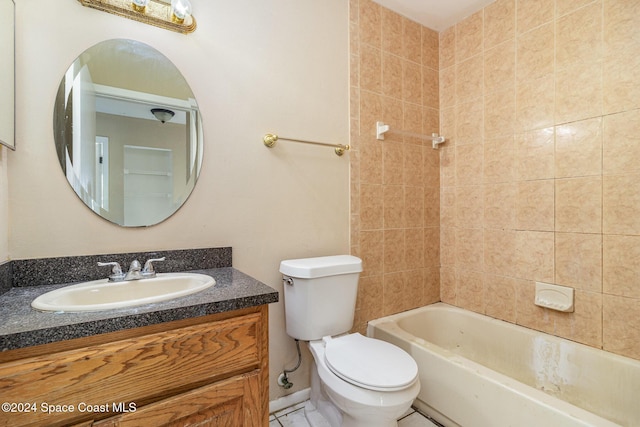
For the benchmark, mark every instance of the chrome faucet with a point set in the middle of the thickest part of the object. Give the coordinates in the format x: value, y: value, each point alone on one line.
x: 136, y: 272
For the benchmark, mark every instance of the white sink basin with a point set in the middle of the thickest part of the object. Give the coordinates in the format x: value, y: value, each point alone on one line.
x: 103, y: 295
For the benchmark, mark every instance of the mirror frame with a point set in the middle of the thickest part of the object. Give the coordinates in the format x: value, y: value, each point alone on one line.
x: 7, y: 74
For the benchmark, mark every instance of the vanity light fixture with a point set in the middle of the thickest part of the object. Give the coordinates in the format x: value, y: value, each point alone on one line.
x: 174, y: 15
x: 162, y: 114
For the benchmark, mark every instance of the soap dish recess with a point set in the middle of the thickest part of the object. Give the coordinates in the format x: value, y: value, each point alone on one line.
x: 555, y: 297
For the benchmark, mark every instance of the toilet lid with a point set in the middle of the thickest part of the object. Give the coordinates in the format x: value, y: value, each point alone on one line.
x: 370, y: 363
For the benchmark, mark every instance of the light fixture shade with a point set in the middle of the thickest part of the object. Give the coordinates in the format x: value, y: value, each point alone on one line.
x: 139, y: 5
x: 162, y: 114
x: 180, y: 10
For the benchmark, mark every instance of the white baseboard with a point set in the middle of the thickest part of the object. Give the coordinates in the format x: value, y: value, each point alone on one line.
x: 289, y: 400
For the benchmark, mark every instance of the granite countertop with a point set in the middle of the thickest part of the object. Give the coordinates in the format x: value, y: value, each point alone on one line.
x: 22, y: 326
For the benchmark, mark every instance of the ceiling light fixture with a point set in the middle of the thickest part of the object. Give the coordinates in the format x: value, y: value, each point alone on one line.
x: 162, y: 114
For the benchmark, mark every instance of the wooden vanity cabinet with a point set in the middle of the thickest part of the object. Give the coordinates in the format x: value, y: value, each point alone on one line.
x: 206, y: 371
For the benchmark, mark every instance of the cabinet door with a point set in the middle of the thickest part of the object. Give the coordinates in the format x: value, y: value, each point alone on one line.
x: 230, y: 403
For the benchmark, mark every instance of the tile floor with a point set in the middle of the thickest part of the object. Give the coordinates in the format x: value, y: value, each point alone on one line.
x: 294, y: 417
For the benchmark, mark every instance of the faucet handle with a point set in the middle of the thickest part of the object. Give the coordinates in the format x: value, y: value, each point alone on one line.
x: 148, y: 266
x: 116, y: 270
x: 135, y: 265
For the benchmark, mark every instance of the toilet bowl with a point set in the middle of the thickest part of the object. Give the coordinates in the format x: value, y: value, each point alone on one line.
x: 370, y: 382
x: 356, y: 381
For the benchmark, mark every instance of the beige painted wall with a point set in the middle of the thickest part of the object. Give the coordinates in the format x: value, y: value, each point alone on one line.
x: 4, y: 206
x: 254, y: 67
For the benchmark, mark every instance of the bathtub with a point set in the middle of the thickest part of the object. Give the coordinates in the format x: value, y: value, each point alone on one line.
x: 476, y: 371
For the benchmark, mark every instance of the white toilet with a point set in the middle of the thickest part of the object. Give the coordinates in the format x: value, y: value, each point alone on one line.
x: 357, y: 381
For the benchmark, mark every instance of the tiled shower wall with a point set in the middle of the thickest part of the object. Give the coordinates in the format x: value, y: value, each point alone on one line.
x: 395, y: 192
x: 540, y: 179
x: 540, y: 176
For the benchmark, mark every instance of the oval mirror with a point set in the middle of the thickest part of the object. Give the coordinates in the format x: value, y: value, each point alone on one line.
x: 128, y: 133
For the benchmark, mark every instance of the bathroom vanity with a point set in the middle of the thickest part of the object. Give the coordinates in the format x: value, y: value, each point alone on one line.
x: 198, y: 360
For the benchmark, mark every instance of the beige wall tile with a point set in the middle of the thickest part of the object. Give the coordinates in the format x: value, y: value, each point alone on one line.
x: 500, y: 206
x: 499, y: 159
x: 469, y: 168
x: 372, y: 252
x: 567, y: 6
x: 579, y: 37
x: 448, y: 285
x: 469, y: 78
x: 371, y: 163
x: 527, y: 313
x: 535, y: 205
x: 448, y: 127
x: 393, y: 206
x: 621, y: 204
x: 579, y: 148
x: 430, y: 48
x: 394, y: 257
x: 621, y: 265
x: 621, y: 143
x: 412, y: 123
x: 578, y: 93
x: 448, y: 246
x: 448, y: 47
x: 370, y: 23
x: 431, y: 207
x: 370, y: 293
x: 413, y: 289
x: 411, y: 41
x: 411, y: 82
x: 469, y: 36
x: 499, y: 113
x: 533, y: 13
x: 430, y: 88
x: 469, y: 248
x: 447, y: 207
x: 391, y: 75
x: 413, y: 165
x: 499, y: 22
x: 414, y: 250
x: 469, y: 206
x: 579, y: 261
x: 621, y: 326
x: 499, y: 252
x: 447, y: 87
x: 393, y: 291
x: 370, y: 112
x: 470, y: 290
x: 534, y: 256
x: 584, y: 325
x: 535, y: 53
x: 393, y: 163
x: 535, y: 101
x: 431, y: 292
x: 579, y: 205
x: 470, y: 286
x: 535, y: 154
x: 371, y: 205
x: 500, y: 297
x: 391, y: 32
x: 432, y: 247
x: 500, y: 67
x: 469, y: 123
x: 414, y: 212
x: 620, y: 86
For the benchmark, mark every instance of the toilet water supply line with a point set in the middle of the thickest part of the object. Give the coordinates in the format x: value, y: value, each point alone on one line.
x: 283, y: 381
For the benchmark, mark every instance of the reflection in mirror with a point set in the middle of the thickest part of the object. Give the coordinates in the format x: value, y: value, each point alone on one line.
x: 132, y: 166
x: 7, y: 69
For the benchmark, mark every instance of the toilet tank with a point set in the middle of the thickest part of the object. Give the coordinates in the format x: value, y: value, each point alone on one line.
x: 320, y: 295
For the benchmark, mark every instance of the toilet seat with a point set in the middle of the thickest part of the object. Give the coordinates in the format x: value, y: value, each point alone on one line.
x: 370, y: 363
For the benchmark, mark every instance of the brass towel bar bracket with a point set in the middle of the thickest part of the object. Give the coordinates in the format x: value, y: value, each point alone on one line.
x: 270, y: 139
